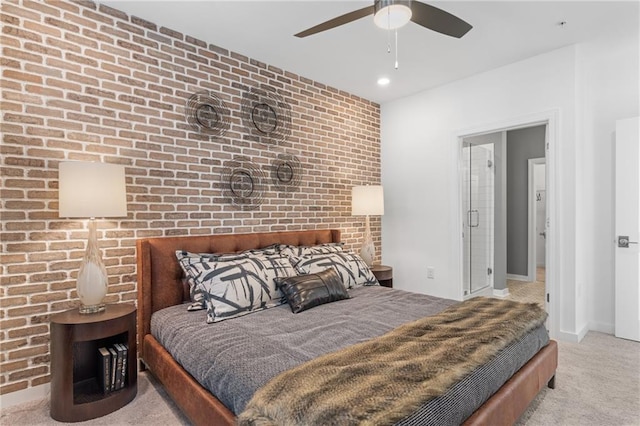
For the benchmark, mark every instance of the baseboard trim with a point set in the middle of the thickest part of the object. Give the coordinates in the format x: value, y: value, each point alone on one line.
x: 602, y: 327
x: 486, y: 292
x: 518, y: 277
x: 25, y: 395
x: 573, y: 337
x: 501, y: 292
x: 567, y: 337
x: 583, y: 332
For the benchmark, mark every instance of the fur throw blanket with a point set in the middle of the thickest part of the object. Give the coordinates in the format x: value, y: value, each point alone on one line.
x: 383, y: 380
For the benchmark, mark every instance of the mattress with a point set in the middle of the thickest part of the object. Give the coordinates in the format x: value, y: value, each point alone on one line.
x: 233, y: 358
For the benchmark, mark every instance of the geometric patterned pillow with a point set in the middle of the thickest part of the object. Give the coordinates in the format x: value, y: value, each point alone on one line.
x: 274, y: 266
x: 351, y: 268
x: 186, y: 258
x: 296, y: 252
x: 236, y: 287
x: 266, y: 251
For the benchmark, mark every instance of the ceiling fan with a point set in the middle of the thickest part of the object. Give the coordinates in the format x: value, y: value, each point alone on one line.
x: 393, y: 14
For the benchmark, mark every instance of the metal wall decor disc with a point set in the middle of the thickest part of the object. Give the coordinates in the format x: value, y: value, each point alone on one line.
x: 286, y: 172
x: 243, y: 183
x: 207, y: 113
x: 264, y: 118
x: 265, y: 115
x: 207, y: 116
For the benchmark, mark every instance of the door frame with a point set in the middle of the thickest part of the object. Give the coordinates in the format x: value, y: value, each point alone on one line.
x: 532, y: 265
x: 550, y: 118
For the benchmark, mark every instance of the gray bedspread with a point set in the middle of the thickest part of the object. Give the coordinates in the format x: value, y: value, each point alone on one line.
x: 234, y: 358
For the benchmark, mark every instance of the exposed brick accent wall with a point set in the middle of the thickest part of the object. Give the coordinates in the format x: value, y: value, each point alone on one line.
x: 87, y: 82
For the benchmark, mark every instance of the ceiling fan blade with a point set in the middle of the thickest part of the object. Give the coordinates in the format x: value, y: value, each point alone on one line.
x: 336, y: 22
x: 438, y: 20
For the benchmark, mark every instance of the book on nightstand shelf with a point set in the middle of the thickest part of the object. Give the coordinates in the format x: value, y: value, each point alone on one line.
x: 125, y: 353
x: 118, y: 365
x: 114, y: 363
x: 105, y: 369
x: 113, y: 367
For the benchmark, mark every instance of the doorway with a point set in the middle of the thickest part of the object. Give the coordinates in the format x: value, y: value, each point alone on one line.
x: 537, y: 221
x: 548, y: 122
x: 503, y: 202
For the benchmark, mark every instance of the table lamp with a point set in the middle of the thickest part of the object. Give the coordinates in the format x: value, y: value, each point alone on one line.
x: 90, y: 190
x: 367, y: 200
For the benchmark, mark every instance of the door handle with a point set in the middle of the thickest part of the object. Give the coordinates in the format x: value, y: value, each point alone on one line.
x: 543, y: 234
x: 470, y: 216
x: 623, y: 241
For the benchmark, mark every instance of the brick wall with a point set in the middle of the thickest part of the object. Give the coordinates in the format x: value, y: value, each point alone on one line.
x: 87, y: 82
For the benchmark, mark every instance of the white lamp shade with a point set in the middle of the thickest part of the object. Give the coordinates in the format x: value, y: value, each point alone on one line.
x: 367, y: 200
x: 89, y: 190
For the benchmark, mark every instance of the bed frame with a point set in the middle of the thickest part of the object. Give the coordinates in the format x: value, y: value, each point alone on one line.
x: 160, y: 285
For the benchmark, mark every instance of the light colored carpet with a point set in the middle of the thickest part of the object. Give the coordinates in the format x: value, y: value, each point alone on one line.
x: 597, y: 384
x: 151, y: 406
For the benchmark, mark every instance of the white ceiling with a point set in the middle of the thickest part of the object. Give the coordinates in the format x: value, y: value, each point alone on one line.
x: 352, y: 57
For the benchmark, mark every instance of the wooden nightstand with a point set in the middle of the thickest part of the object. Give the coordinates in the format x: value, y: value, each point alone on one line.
x: 384, y: 275
x: 76, y: 394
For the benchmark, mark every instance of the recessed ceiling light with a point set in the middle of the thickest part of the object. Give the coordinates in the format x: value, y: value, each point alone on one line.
x: 383, y: 81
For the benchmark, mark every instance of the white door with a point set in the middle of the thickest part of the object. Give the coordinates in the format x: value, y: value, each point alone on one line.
x: 627, y: 251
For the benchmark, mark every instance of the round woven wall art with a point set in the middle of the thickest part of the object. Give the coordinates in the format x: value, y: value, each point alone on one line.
x: 265, y: 115
x: 243, y: 182
x: 207, y: 113
x: 286, y: 173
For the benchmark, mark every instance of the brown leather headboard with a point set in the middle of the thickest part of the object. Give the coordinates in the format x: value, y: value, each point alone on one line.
x: 160, y: 276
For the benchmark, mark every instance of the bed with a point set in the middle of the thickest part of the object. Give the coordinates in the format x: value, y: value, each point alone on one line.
x: 161, y: 287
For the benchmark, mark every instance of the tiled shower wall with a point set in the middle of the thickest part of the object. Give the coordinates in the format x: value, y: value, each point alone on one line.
x: 82, y: 81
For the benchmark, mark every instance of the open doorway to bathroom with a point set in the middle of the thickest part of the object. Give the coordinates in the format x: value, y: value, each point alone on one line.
x: 504, y: 214
x: 545, y: 126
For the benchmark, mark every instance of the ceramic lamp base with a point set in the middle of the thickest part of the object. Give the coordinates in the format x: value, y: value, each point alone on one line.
x: 92, y: 276
x: 368, y: 250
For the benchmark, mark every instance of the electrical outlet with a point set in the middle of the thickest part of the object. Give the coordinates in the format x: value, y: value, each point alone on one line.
x: 431, y: 272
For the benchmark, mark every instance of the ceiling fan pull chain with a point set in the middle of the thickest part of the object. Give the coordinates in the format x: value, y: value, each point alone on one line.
x: 388, y: 32
x: 396, y: 49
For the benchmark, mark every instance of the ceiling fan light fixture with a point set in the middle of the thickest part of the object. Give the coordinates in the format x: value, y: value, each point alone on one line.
x: 390, y: 14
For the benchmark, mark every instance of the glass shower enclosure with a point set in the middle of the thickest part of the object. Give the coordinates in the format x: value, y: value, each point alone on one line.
x: 478, y: 215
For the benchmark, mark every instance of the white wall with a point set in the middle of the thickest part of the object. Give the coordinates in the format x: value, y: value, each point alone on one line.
x: 419, y: 141
x: 608, y: 78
